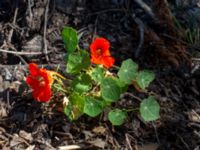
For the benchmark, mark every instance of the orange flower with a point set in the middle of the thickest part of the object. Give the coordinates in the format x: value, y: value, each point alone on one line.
x: 40, y: 80
x: 100, y: 53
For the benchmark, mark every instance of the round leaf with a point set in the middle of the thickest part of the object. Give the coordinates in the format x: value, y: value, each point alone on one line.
x: 149, y: 109
x: 92, y: 107
x: 70, y: 38
x: 82, y: 83
x: 78, y: 61
x: 123, y: 86
x: 117, y: 117
x: 98, y: 74
x: 128, y: 71
x: 75, y: 107
x: 110, y: 90
x: 144, y: 78
x: 68, y: 111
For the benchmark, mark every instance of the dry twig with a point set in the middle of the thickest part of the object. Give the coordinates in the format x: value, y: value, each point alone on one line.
x: 13, y: 23
x: 146, y: 8
x: 45, y: 30
x: 69, y: 147
x: 128, y: 141
x: 141, y: 28
x: 30, y: 4
x: 20, y: 53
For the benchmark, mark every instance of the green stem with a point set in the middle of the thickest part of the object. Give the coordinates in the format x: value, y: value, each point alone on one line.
x: 116, y: 67
x: 67, y: 90
x: 132, y: 109
x: 78, y: 48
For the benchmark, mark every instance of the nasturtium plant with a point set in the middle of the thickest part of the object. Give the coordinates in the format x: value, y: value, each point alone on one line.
x: 68, y: 111
x: 123, y: 86
x: 100, y: 53
x: 90, y: 86
x: 128, y: 71
x: 110, y: 90
x: 75, y: 107
x: 98, y: 73
x: 82, y: 83
x: 78, y: 61
x: 70, y: 39
x: 149, y: 109
x: 117, y: 116
x: 144, y: 78
x: 93, y: 107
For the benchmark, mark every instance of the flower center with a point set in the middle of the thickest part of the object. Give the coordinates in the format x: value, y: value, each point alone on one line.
x: 41, y: 81
x: 42, y: 84
x: 99, y: 52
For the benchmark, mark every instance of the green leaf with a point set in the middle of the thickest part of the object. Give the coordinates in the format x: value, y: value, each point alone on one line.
x: 149, y: 109
x: 75, y: 107
x: 98, y: 74
x: 144, y: 78
x: 77, y: 62
x: 128, y: 71
x: 117, y: 117
x: 82, y: 83
x: 110, y: 90
x: 123, y: 86
x: 92, y: 107
x: 70, y: 39
x: 68, y: 111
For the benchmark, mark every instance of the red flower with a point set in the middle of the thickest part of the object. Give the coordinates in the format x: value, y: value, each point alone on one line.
x: 40, y: 80
x: 100, y: 53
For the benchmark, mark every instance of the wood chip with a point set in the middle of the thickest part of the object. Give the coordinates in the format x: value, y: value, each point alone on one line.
x: 69, y: 147
x: 98, y: 143
x: 151, y: 146
x: 99, y: 130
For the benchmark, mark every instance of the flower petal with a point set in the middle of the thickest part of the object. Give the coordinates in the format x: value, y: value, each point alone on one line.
x: 33, y: 69
x: 99, y: 43
x: 32, y: 82
x: 47, y: 76
x: 42, y: 94
x: 96, y: 60
x: 40, y: 80
x: 108, y: 62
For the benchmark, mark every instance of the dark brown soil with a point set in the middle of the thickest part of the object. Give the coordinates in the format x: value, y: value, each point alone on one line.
x: 31, y: 36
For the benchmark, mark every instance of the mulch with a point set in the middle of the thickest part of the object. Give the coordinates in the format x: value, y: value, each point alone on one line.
x: 30, y: 32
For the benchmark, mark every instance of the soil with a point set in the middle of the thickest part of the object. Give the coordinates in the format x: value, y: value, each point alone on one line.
x: 30, y: 32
